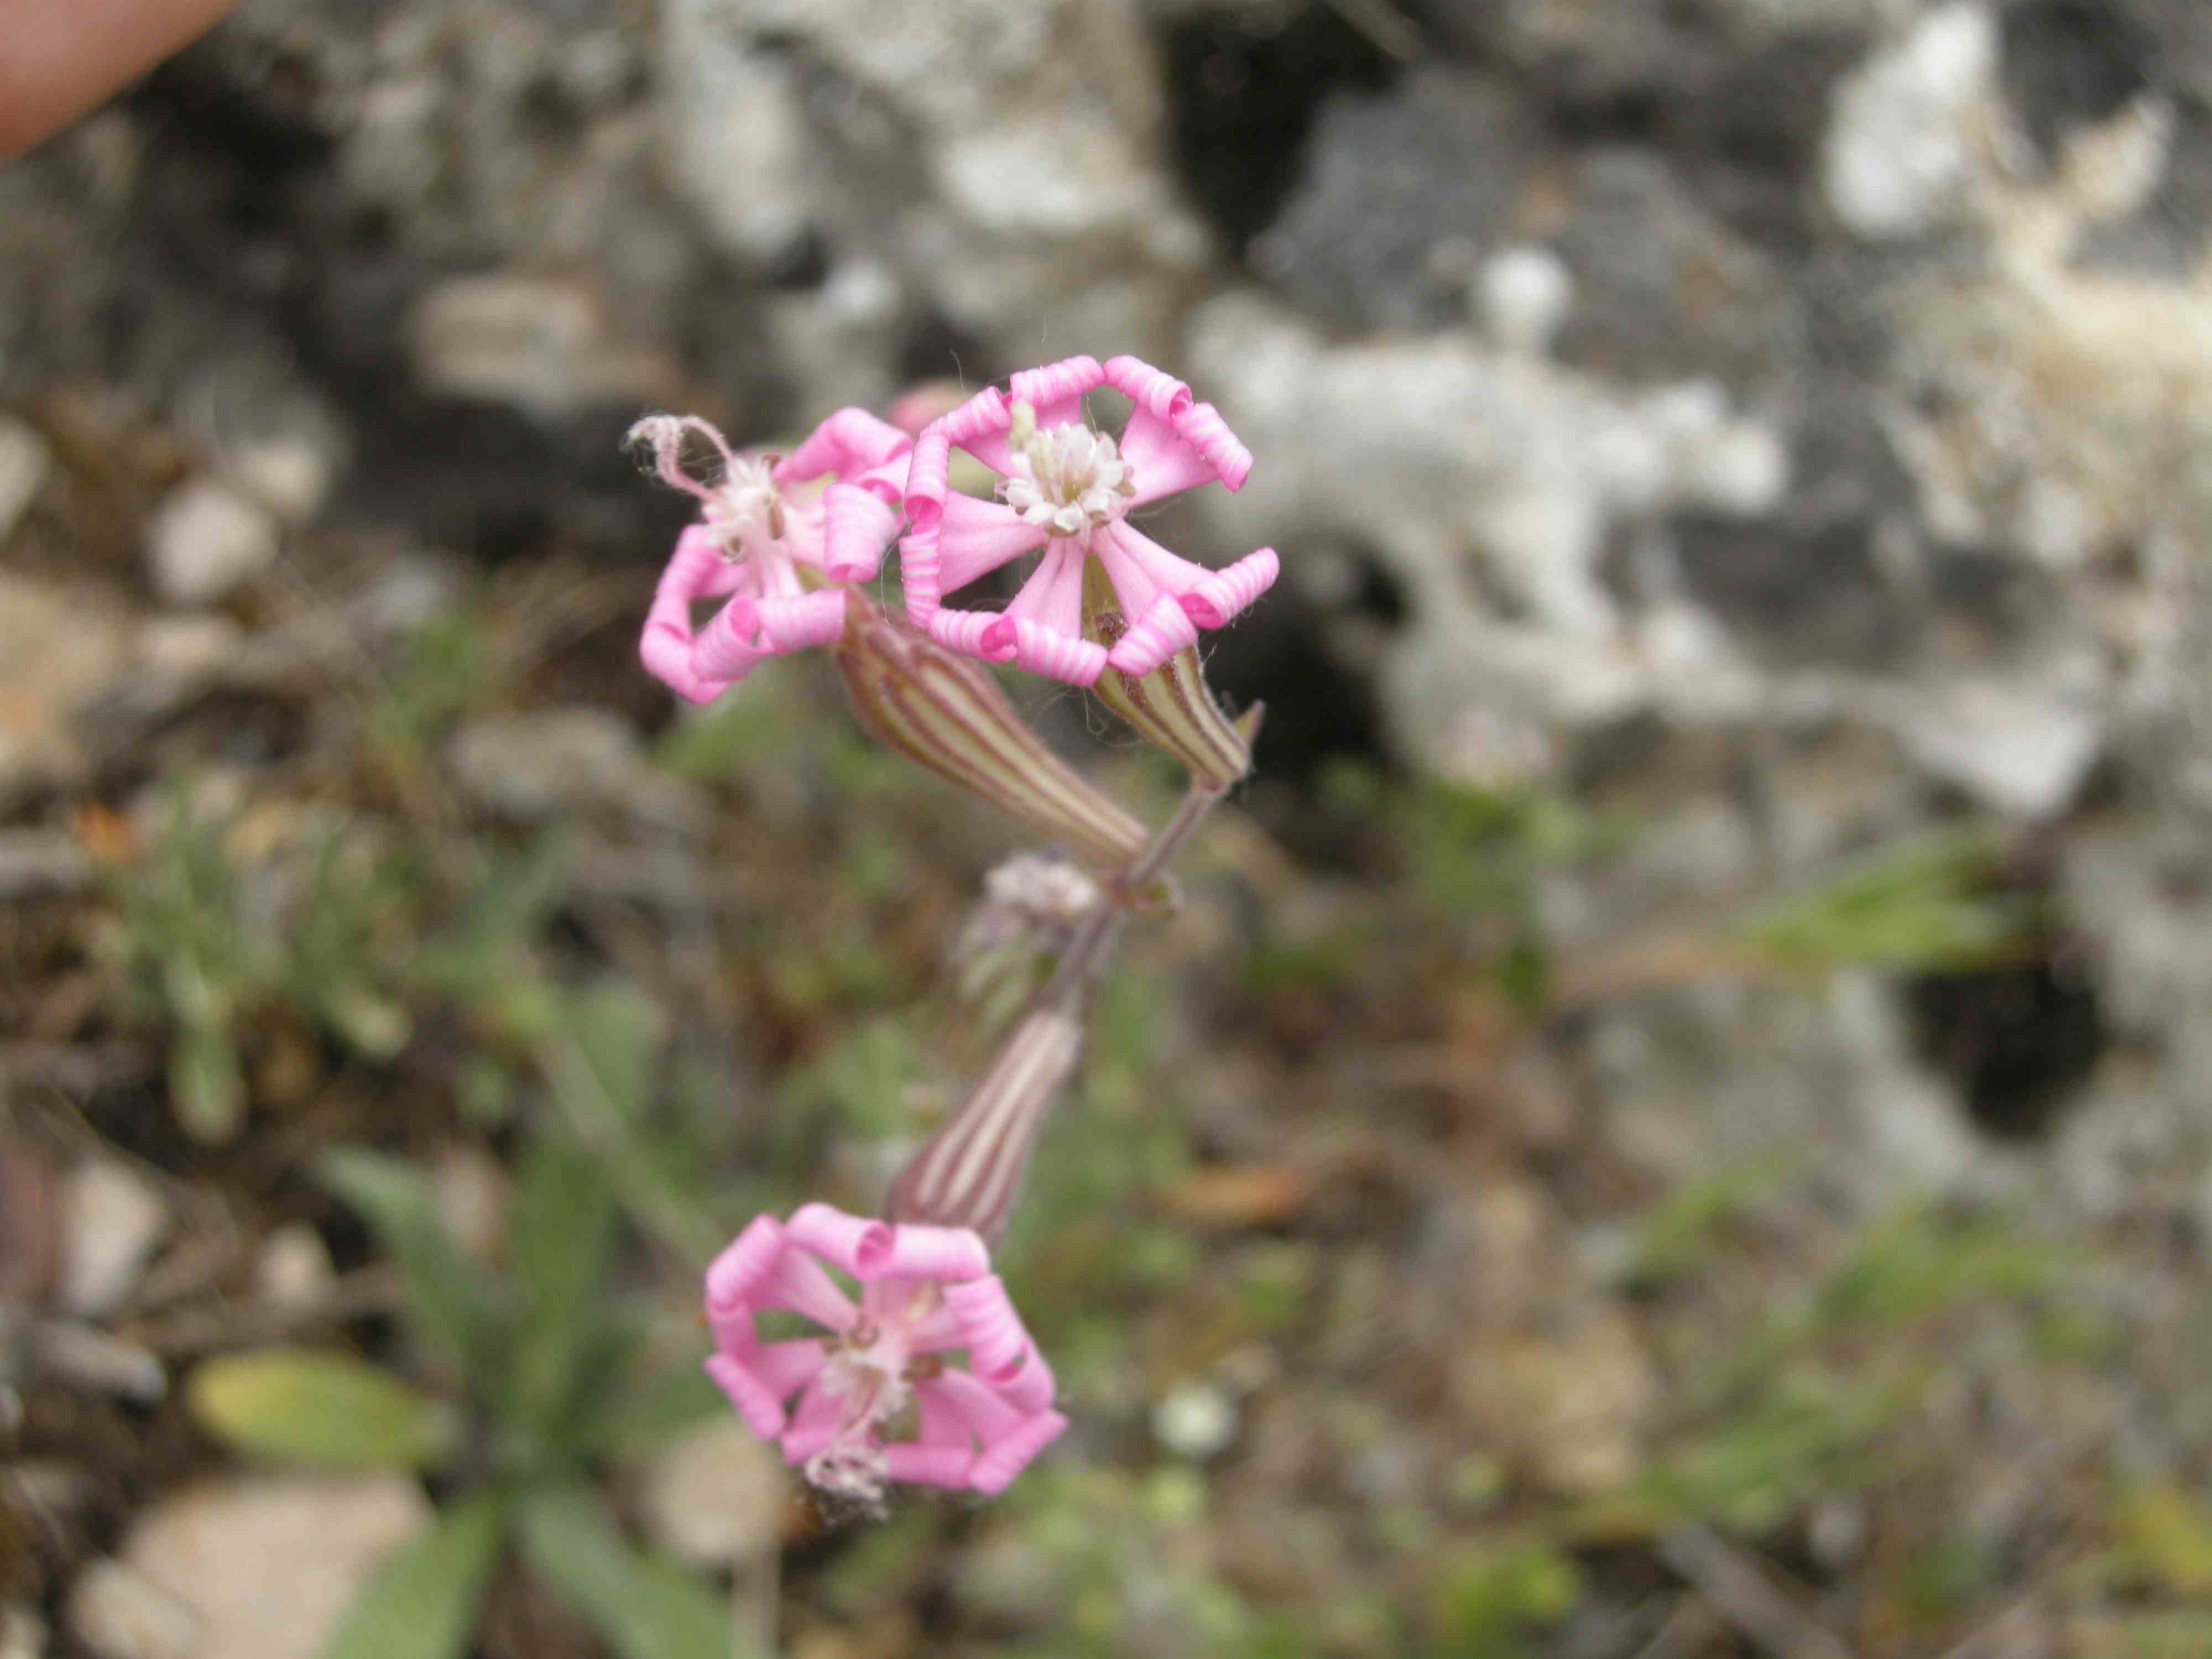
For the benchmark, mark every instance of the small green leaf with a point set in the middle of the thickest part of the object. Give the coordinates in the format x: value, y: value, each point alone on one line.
x: 207, y: 1090
x: 641, y: 1420
x: 326, y: 1409
x: 646, y: 1610
x: 450, y: 1299
x: 422, y: 1602
x: 561, y: 1240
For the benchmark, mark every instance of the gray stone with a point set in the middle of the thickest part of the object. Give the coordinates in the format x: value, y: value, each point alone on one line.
x: 206, y: 539
x: 25, y: 458
x: 254, y: 1568
x: 716, y: 1496
x: 1397, y: 187
x: 112, y: 1219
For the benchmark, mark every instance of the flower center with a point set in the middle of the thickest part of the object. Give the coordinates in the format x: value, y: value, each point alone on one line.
x: 1064, y: 479
x: 867, y: 1373
x: 746, y: 508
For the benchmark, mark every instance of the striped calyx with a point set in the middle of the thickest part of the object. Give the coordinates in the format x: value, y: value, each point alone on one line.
x: 1172, y: 708
x: 969, y: 1172
x: 945, y: 712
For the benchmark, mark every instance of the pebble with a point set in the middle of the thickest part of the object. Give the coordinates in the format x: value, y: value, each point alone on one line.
x: 293, y: 1269
x: 26, y: 457
x: 205, y: 540
x: 112, y: 1219
x: 715, y: 1496
x: 22, y: 1632
x: 252, y: 1568
x: 38, y: 861
x: 1898, y: 153
x: 1522, y: 295
x: 1197, y: 1420
x: 472, y: 1191
x: 290, y: 473
x: 538, y: 765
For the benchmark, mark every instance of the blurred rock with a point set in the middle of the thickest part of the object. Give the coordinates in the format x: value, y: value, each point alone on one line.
x: 1197, y: 1420
x: 122, y: 1614
x: 1457, y: 464
x: 545, y: 344
x: 551, y: 762
x: 1900, y: 152
x: 473, y: 1194
x: 293, y: 1271
x: 34, y: 862
x: 22, y: 1632
x: 25, y: 459
x: 112, y: 1219
x: 1574, y: 1402
x: 253, y: 1568
x: 59, y: 649
x: 206, y: 539
x: 716, y: 1496
x: 2022, y: 751
x: 290, y: 473
x: 1400, y: 191
x: 1522, y: 295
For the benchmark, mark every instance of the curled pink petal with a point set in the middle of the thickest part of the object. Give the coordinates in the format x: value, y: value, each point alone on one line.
x: 762, y: 1409
x: 793, y: 622
x: 840, y: 1239
x: 1162, y: 462
x: 1140, y: 569
x: 935, y: 1343
x: 730, y: 645
x: 1042, y: 649
x: 1164, y: 629
x: 1054, y: 393
x: 922, y: 1465
x: 1000, y: 1351
x: 926, y: 485
x: 812, y: 1426
x: 981, y: 416
x: 697, y: 571
x: 911, y: 1250
x: 1202, y: 425
x: 1153, y: 390
x: 845, y: 445
x: 746, y: 1263
x: 920, y: 572
x: 782, y: 1367
x: 1000, y: 1462
x: 857, y: 526
x: 976, y: 537
x: 912, y: 410
x: 1221, y: 594
x: 979, y: 1409
x: 667, y: 655
x: 974, y: 633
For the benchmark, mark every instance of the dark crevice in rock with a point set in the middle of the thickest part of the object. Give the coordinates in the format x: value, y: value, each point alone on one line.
x: 2018, y: 1040
x: 1242, y: 88
x: 2071, y: 62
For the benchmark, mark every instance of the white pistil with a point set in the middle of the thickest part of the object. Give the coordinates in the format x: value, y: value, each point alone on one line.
x: 1066, y: 480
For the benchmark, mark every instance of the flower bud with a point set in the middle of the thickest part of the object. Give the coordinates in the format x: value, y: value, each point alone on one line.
x: 945, y: 712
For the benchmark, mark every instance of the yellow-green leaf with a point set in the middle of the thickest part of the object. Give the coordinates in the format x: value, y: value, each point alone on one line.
x: 326, y: 1409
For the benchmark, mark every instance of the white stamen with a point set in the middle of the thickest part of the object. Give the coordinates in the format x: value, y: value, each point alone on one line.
x: 746, y: 508
x: 1067, y: 479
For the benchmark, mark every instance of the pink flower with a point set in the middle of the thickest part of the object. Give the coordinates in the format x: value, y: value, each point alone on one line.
x: 1068, y: 489
x: 770, y: 545
x: 925, y: 1293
